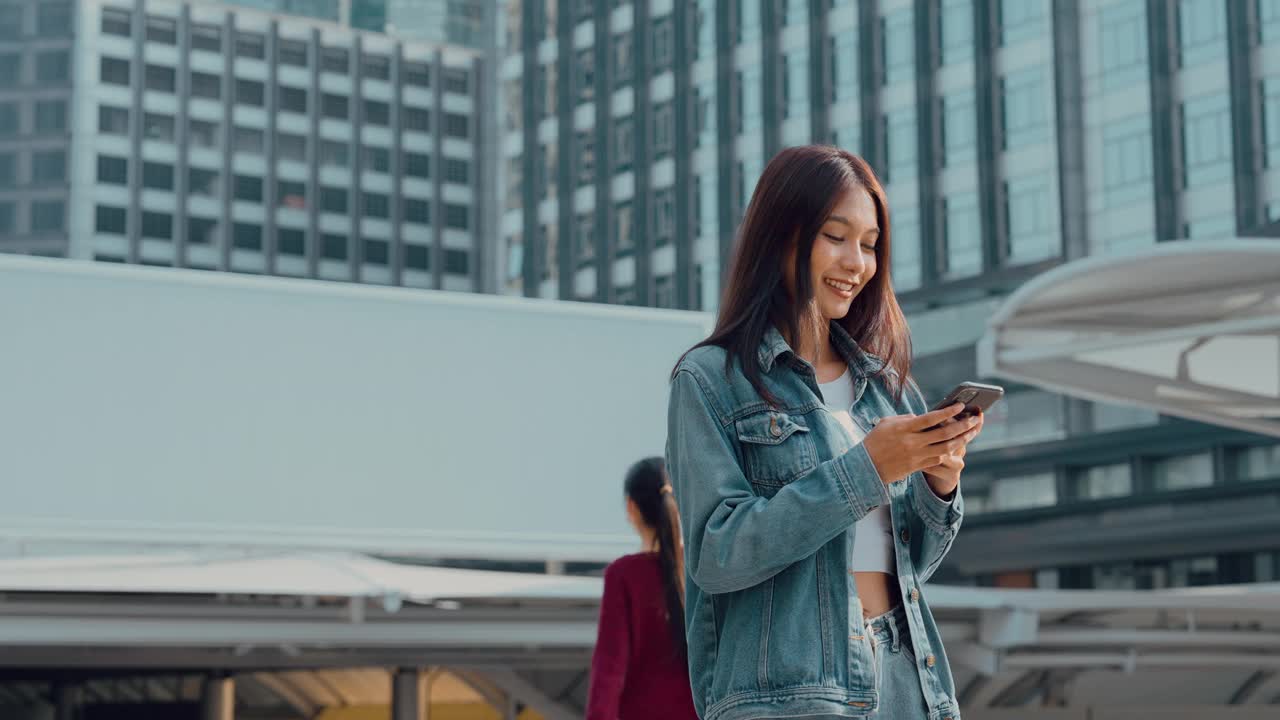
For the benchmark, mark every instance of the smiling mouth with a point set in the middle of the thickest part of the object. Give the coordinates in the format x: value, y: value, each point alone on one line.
x: 844, y: 288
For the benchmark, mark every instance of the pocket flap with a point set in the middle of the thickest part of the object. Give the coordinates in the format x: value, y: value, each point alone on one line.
x: 769, y: 428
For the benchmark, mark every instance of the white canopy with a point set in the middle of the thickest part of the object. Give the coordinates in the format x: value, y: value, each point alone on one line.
x: 1189, y: 329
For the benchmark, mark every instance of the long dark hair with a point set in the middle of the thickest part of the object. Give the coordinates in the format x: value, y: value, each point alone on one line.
x: 648, y: 487
x: 792, y: 200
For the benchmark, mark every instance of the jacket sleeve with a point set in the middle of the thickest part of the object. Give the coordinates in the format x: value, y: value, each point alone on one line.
x: 734, y: 538
x: 612, y: 651
x: 934, y: 520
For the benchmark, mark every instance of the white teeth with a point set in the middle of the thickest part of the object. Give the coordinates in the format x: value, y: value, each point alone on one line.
x: 841, y: 286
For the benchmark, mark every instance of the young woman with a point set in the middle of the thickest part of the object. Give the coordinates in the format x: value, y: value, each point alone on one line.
x: 639, y: 670
x: 816, y: 494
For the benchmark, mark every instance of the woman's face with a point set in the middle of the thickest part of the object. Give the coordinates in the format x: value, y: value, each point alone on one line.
x: 843, y: 260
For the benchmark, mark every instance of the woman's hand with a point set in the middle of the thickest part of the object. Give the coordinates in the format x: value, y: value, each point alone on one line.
x: 902, y: 444
x: 945, y: 476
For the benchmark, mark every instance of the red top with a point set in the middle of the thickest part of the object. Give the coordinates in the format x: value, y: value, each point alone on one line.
x: 636, y: 672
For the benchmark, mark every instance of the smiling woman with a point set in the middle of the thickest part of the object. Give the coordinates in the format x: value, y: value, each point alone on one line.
x: 803, y: 459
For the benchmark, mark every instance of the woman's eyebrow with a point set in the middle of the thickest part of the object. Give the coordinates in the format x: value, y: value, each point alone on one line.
x: 839, y: 219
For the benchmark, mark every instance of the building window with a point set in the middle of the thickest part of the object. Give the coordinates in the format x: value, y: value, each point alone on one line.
x: 457, y: 126
x: 202, y: 182
x: 957, y: 30
x: 1126, y: 152
x: 1206, y: 140
x: 417, y: 165
x: 959, y: 128
x: 10, y: 70
x: 246, y: 236
x: 53, y: 67
x: 1269, y: 20
x: 48, y: 167
x: 7, y: 217
x: 51, y: 116
x: 899, y: 47
x: 457, y: 217
x: 664, y: 217
x: 48, y: 216
x: 8, y: 170
x: 116, y: 21
x: 201, y: 231
x: 417, y: 211
x: 291, y: 194
x: 377, y: 206
x: 1258, y: 463
x: 1024, y: 102
x: 623, y: 66
x: 157, y: 226
x: 457, y: 171
x: 586, y: 143
x: 844, y: 66
x: 8, y: 119
x: 157, y: 176
x: 377, y: 113
x: 54, y: 19
x: 417, y: 257
x: 625, y: 233
x: 456, y: 80
x: 113, y: 71
x: 417, y: 74
x: 457, y: 262
x: 157, y: 127
x: 333, y: 247
x: 377, y: 252
x: 1030, y: 216
x: 250, y: 92
x: 291, y: 147
x: 586, y: 75
x: 334, y: 154
x: 416, y: 119
x: 901, y: 143
x: 202, y: 134
x: 1102, y: 481
x: 1271, y: 122
x: 663, y: 129
x: 1021, y: 20
x: 377, y: 159
x: 1022, y: 492
x: 251, y: 45
x: 247, y: 188
x: 335, y: 60
x: 206, y: 37
x: 109, y: 220
x: 1122, y: 31
x: 662, y: 44
x: 113, y: 170
x: 204, y: 85
x: 291, y: 241
x: 376, y: 67
x: 907, y: 269
x: 963, y: 234
x: 113, y: 120
x: 1182, y: 472
x: 293, y: 100
x: 336, y: 107
x: 163, y: 31
x: 1201, y: 30
x: 248, y: 140
x: 623, y: 144
x: 161, y: 79
x: 333, y: 200
x: 292, y: 52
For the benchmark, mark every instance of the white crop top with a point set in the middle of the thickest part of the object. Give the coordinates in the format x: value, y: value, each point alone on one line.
x: 873, y: 534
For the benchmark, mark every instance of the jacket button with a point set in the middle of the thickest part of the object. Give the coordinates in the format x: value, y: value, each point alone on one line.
x: 930, y: 661
x: 773, y: 427
x: 905, y: 535
x: 915, y: 595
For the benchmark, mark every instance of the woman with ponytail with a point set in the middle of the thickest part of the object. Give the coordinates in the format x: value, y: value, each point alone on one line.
x: 639, y: 668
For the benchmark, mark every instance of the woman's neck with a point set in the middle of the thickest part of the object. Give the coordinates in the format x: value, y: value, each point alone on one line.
x: 814, y: 344
x: 648, y: 540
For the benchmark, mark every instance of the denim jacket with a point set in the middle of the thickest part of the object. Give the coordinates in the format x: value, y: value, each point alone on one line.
x: 768, y: 499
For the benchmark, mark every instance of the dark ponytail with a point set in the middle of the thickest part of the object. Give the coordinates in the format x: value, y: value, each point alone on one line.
x: 648, y: 487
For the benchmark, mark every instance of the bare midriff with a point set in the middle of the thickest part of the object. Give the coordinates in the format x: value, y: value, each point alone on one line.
x: 877, y: 591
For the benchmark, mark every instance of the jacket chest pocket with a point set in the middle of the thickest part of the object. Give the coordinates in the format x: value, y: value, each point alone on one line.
x: 776, y: 449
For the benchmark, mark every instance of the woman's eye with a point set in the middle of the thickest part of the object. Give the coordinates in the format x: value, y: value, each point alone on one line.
x: 833, y: 238
x: 869, y: 248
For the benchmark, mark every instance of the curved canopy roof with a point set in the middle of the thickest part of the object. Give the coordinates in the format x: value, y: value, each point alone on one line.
x: 1190, y: 329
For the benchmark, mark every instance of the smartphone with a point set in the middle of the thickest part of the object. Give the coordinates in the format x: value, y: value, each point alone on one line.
x: 975, y: 397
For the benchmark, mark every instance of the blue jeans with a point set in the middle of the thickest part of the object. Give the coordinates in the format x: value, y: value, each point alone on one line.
x: 897, y: 671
